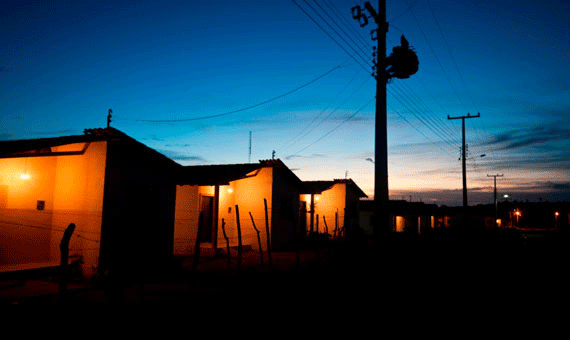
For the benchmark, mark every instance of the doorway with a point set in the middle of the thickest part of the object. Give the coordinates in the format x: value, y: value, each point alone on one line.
x: 206, y: 218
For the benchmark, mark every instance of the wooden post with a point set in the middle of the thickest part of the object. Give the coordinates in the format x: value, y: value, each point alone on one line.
x: 197, y: 245
x: 64, y: 250
x: 267, y: 234
x: 258, y: 239
x: 317, y: 224
x: 326, y: 226
x: 227, y: 242
x: 335, y: 224
x: 239, y: 236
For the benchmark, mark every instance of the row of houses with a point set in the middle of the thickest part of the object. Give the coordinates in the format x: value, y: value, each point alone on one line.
x: 135, y: 208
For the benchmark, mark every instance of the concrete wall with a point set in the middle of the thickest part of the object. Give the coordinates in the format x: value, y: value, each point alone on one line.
x: 70, y: 188
x: 248, y: 194
x: 330, y: 207
x: 138, y: 209
x: 285, y: 213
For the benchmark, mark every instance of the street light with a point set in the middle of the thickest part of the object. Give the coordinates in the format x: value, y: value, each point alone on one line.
x: 556, y: 214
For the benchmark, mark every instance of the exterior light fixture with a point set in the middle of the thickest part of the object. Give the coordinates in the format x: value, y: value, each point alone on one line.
x: 25, y: 176
x: 230, y: 190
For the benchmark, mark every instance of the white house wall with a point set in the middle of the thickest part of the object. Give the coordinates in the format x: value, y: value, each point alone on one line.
x: 71, y: 189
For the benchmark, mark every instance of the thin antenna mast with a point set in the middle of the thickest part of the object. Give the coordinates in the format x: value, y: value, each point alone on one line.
x: 109, y: 118
x: 249, y: 157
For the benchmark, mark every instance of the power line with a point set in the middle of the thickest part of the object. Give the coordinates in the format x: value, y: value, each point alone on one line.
x: 244, y: 108
x: 410, y: 105
x: 430, y: 115
x: 303, y: 133
x: 341, y: 17
x: 332, y: 130
x: 363, y: 50
x: 367, y: 69
x: 436, y: 57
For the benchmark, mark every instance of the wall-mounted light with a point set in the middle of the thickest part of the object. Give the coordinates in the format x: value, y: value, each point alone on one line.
x: 25, y: 176
x: 230, y: 190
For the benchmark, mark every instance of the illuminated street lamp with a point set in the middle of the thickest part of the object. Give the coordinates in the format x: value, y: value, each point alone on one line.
x: 556, y: 214
x: 518, y: 215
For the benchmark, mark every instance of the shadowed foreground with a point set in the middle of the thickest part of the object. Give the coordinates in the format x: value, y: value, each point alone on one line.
x: 431, y: 269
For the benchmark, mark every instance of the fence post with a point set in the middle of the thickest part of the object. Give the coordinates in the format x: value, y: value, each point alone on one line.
x: 335, y: 224
x: 258, y: 239
x: 239, y: 237
x: 227, y: 242
x: 64, y: 250
x: 267, y: 235
x: 317, y: 225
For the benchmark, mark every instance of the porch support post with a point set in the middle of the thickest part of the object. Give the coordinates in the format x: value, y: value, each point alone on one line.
x: 216, y: 209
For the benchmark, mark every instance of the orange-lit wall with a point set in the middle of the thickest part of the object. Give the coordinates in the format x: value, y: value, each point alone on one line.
x: 247, y: 193
x: 328, y: 205
x: 186, y: 216
x: 72, y: 189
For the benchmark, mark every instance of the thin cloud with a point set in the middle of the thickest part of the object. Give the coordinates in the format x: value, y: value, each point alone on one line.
x: 51, y: 133
x: 188, y: 158
x: 551, y: 185
x: 182, y: 157
x: 529, y: 137
x: 315, y: 155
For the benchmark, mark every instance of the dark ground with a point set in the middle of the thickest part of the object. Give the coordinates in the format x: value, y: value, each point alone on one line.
x: 403, y: 270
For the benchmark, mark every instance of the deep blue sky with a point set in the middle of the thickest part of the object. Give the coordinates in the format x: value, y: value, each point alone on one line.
x: 272, y: 68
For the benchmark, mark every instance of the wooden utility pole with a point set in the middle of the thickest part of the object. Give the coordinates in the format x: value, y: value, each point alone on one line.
x: 495, y: 196
x: 381, y: 194
x: 381, y: 200
x: 463, y: 157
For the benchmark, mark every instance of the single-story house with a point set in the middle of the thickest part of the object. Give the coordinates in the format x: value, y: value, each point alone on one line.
x: 330, y: 206
x: 210, y: 197
x: 409, y: 217
x: 119, y: 193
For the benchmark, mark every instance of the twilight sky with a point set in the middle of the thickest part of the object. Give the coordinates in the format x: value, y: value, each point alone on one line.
x: 193, y: 78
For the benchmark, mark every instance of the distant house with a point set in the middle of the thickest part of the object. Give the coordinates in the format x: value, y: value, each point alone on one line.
x: 409, y: 217
x: 118, y: 192
x: 208, y: 196
x: 330, y: 206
